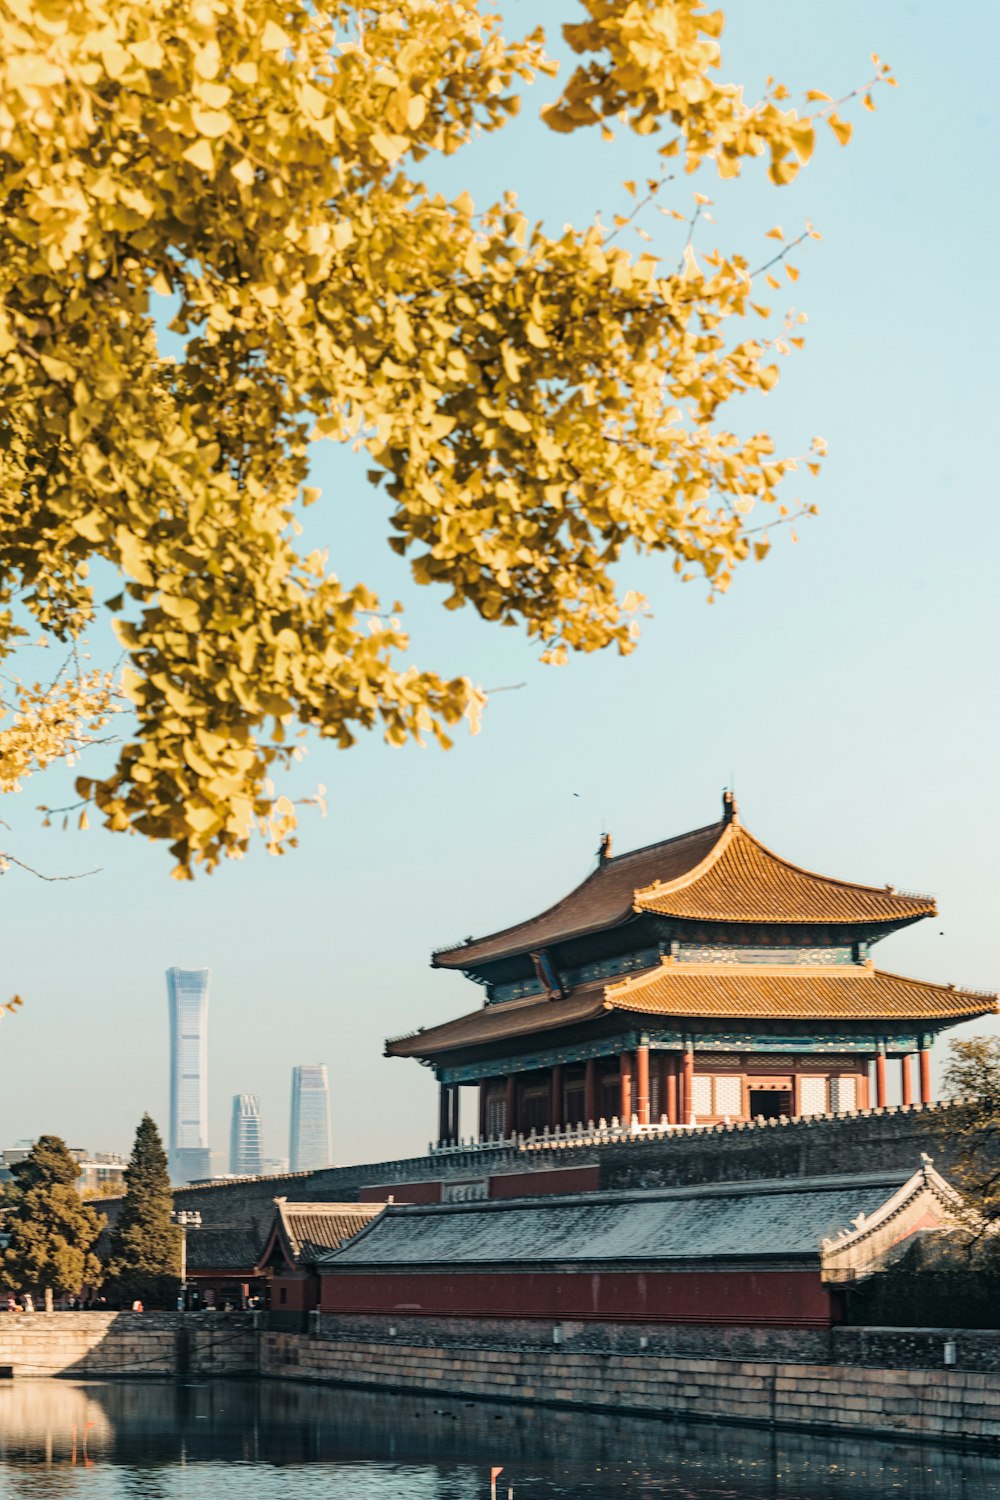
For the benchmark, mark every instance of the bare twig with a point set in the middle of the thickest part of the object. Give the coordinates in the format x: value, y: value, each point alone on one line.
x: 8, y: 859
x: 805, y: 235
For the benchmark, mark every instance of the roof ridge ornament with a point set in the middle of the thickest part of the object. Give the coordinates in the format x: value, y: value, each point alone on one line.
x: 604, y: 851
x: 730, y: 807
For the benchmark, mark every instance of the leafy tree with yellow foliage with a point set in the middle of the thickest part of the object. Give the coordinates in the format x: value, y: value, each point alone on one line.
x: 532, y: 405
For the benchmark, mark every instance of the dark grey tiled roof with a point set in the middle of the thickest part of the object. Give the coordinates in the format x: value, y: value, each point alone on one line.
x: 770, y: 1219
x: 223, y: 1249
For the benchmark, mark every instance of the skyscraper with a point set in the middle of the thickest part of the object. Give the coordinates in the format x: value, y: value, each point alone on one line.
x: 244, y: 1136
x: 189, y: 1154
x: 309, y: 1146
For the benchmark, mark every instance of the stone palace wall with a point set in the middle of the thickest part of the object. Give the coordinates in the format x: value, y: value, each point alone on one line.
x: 866, y: 1141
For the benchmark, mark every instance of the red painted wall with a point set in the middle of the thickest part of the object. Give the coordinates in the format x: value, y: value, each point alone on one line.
x: 546, y: 1184
x: 402, y: 1192
x: 793, y: 1299
x: 506, y: 1185
x: 301, y: 1293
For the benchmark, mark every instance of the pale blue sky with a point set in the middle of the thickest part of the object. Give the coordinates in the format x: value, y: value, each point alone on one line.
x: 848, y: 684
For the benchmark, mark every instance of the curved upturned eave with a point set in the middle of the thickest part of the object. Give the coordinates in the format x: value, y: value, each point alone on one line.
x: 683, y: 992
x: 855, y: 992
x: 564, y: 921
x: 741, y: 881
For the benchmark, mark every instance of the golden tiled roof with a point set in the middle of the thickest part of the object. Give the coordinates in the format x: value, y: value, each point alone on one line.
x: 719, y: 873
x: 741, y: 880
x: 854, y: 992
x: 515, y: 1018
x: 605, y: 898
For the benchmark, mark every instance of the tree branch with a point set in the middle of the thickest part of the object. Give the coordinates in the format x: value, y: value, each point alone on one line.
x: 7, y: 859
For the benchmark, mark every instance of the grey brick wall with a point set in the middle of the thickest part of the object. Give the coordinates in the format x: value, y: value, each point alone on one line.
x: 916, y: 1348
x: 684, y: 1340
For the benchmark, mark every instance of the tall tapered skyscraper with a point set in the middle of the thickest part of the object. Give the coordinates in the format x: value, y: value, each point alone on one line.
x: 244, y: 1136
x: 309, y: 1146
x: 189, y: 1156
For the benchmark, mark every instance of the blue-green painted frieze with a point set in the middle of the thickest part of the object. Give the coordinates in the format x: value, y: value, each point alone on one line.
x: 606, y: 968
x: 518, y: 989
x: 787, y: 955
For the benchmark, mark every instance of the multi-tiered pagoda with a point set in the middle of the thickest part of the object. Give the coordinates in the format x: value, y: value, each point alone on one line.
x: 693, y: 981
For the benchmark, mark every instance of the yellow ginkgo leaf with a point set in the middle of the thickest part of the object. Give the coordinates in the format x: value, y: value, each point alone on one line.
x: 200, y: 155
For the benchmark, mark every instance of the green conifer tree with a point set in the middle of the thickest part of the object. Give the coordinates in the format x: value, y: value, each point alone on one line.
x: 145, y: 1245
x: 52, y: 1232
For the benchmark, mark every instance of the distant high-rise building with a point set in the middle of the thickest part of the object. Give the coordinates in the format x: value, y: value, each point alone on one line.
x: 244, y: 1137
x: 309, y: 1145
x: 188, y: 1153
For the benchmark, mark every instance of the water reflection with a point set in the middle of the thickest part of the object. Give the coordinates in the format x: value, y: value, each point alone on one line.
x: 214, y: 1441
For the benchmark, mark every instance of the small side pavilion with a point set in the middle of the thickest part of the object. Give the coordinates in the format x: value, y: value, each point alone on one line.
x: 221, y: 1268
x: 300, y: 1234
x: 694, y: 981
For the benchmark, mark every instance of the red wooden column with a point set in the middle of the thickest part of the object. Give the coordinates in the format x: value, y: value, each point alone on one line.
x: 880, y: 1093
x: 556, y: 1098
x: 590, y: 1091
x: 443, y: 1114
x: 454, y: 1111
x: 925, y: 1075
x: 670, y: 1079
x: 906, y: 1079
x: 687, y: 1099
x: 642, y: 1082
x: 482, y: 1110
x: 625, y: 1106
x: 512, y: 1104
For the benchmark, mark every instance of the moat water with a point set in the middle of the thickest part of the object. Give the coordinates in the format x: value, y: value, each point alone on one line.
x: 246, y: 1440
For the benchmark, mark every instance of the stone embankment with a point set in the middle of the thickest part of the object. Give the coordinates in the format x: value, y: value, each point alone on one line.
x: 939, y: 1405
x: 83, y: 1344
x: 939, y: 1385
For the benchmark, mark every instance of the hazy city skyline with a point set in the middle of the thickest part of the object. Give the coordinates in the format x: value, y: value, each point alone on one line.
x: 245, y: 1137
x: 309, y: 1141
x: 188, y: 1151
x: 190, y: 1154
x: 845, y: 684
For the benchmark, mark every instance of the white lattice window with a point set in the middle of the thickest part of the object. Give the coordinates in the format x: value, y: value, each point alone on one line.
x: 729, y: 1095
x: 496, y: 1115
x: 843, y: 1094
x: 812, y: 1096
x: 701, y: 1094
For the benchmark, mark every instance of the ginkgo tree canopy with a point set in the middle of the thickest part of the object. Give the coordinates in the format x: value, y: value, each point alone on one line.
x: 531, y: 405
